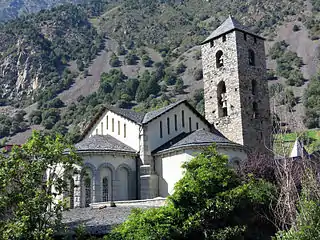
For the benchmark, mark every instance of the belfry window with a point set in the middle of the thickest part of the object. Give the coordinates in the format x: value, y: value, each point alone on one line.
x: 168, y: 125
x: 190, y: 124
x: 107, y: 122
x: 112, y: 124
x: 219, y: 59
x: 222, y: 99
x: 101, y: 128
x: 224, y: 38
x: 251, y: 57
x: 255, y: 110
x: 211, y: 43
x: 253, y: 87
x: 124, y: 130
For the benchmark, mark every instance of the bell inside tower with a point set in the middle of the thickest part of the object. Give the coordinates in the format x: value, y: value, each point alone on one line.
x: 222, y: 99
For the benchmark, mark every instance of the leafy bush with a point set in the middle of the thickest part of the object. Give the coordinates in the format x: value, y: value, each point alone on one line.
x: 121, y: 50
x: 180, y: 68
x: 131, y: 59
x: 198, y: 74
x: 209, y: 202
x: 295, y: 28
x: 114, y: 61
x: 311, y: 103
x: 146, y: 60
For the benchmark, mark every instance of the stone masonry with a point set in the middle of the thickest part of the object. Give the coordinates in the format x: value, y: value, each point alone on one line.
x: 239, y: 109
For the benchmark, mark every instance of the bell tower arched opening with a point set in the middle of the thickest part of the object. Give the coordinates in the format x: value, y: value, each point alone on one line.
x: 222, y: 99
x: 219, y: 59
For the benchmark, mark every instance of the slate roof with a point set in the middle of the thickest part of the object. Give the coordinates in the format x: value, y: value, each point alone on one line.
x: 156, y: 113
x: 103, y: 143
x: 229, y: 25
x: 129, y: 114
x: 199, y: 137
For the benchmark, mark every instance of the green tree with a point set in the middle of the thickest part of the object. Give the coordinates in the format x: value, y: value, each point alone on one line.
x: 30, y: 178
x: 178, y: 87
x: 312, y: 103
x: 114, y: 61
x: 210, y: 202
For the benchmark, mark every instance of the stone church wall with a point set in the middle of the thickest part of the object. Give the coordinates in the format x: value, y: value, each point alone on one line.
x: 247, y: 117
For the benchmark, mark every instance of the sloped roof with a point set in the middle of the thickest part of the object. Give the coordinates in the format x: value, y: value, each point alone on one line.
x: 199, y: 137
x: 128, y: 113
x: 156, y: 113
x: 102, y: 143
x: 229, y: 25
x: 141, y: 118
x: 298, y: 150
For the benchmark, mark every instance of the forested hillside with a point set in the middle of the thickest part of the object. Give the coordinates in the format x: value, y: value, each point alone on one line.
x: 71, y: 60
x: 10, y: 9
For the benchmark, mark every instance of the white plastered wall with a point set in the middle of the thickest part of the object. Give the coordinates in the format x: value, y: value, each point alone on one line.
x: 168, y: 166
x: 153, y: 128
x: 132, y: 129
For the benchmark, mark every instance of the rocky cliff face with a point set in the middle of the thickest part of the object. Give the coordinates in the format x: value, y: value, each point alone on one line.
x: 19, y: 71
x: 10, y: 9
x: 34, y: 52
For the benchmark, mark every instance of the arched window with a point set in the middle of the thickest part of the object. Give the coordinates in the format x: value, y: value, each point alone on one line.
x: 87, y: 185
x: 219, y: 59
x: 222, y: 99
x: 105, y: 189
x: 253, y: 87
x: 255, y: 110
x: 251, y: 57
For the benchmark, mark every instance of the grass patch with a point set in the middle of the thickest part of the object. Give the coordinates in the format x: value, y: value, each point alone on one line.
x: 283, y: 143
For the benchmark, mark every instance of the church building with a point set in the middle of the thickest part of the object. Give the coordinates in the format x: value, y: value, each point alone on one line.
x: 129, y: 155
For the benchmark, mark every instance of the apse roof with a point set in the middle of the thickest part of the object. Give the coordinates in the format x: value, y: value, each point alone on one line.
x: 102, y: 143
x: 199, y: 137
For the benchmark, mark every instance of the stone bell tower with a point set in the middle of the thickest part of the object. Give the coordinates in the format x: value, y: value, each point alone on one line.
x: 235, y: 85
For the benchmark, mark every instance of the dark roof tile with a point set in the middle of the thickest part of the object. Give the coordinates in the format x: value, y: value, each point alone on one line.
x: 228, y: 25
x: 199, y: 137
x: 156, y: 113
x: 102, y: 143
x: 129, y: 114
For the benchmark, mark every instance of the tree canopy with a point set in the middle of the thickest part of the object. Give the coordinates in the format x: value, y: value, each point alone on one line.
x: 31, y: 178
x: 210, y: 202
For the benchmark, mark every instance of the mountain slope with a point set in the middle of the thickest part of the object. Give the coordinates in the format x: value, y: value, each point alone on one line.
x: 11, y: 9
x: 162, y: 37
